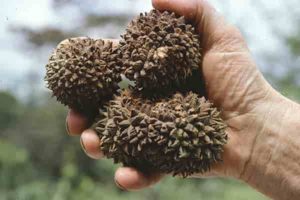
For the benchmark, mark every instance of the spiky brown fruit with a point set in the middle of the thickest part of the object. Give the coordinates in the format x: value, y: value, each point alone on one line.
x: 182, y: 135
x: 83, y: 73
x: 160, y: 51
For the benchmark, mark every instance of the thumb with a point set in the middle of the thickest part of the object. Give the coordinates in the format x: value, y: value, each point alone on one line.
x: 216, y: 34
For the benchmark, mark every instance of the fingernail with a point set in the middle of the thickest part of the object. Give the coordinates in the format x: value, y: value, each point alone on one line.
x: 119, y: 185
x: 67, y: 128
x: 82, y: 145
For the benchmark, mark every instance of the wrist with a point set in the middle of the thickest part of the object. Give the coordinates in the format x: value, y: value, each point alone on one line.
x: 271, y: 166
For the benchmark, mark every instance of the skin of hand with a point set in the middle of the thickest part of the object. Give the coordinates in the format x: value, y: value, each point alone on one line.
x: 261, y: 122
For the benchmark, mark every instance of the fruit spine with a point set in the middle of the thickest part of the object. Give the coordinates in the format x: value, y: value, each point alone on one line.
x: 165, y: 130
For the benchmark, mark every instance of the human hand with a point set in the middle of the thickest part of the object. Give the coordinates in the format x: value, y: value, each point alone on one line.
x: 233, y: 84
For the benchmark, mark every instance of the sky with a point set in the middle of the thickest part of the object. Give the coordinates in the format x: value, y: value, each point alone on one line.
x: 15, y: 63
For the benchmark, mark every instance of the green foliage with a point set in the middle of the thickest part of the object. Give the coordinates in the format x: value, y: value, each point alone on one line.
x: 294, y: 44
x: 45, y: 35
x: 8, y: 110
x: 39, y: 161
x: 288, y: 83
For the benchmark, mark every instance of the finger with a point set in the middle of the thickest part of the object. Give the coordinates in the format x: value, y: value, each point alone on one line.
x: 130, y: 179
x: 90, y: 143
x: 76, y: 123
x: 212, y: 27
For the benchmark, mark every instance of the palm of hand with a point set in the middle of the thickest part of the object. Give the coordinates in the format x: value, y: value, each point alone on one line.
x: 236, y: 87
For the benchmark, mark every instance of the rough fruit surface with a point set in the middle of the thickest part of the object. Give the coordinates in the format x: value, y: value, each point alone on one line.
x: 182, y: 134
x: 160, y: 51
x: 83, y: 73
x: 162, y: 123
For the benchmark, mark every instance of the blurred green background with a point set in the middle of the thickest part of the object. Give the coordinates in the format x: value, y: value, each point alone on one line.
x: 38, y: 161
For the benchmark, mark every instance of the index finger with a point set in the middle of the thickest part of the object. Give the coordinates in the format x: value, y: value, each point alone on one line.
x: 76, y: 123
